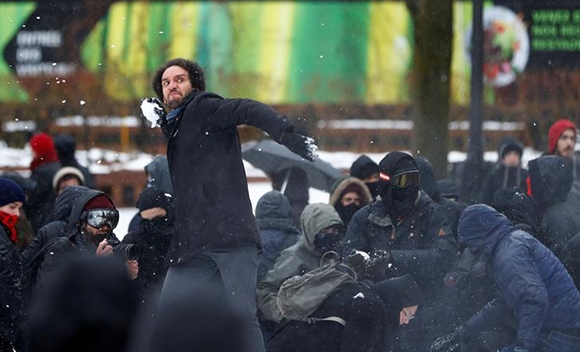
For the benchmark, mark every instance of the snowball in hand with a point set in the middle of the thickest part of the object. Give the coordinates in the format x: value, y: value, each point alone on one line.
x: 152, y: 110
x: 312, y: 148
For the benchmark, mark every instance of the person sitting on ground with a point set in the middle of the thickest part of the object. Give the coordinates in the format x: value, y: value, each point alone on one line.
x: 365, y: 169
x: 535, y: 292
x: 11, y: 200
x: 65, y: 177
x: 156, y: 231
x: 349, y: 195
x: 277, y: 230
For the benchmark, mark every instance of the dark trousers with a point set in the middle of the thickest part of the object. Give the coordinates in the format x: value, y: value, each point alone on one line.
x: 233, y: 269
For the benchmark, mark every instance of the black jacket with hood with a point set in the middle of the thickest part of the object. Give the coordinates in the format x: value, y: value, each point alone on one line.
x: 61, y: 248
x: 213, y: 208
x: 503, y: 176
x: 551, y: 180
x: 66, y: 147
x: 41, y: 200
x: 429, y: 184
x: 277, y: 230
x: 10, y: 289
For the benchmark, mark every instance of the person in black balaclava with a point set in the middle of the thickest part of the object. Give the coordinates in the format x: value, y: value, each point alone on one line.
x: 413, y: 232
x: 365, y: 169
x: 153, y: 238
x: 348, y: 196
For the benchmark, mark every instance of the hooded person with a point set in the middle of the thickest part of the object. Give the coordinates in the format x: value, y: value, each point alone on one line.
x: 154, y: 236
x: 66, y: 147
x: 535, y: 292
x: 549, y: 184
x: 413, y: 233
x: 277, y: 230
x: 158, y: 176
x: 429, y: 184
x: 11, y: 200
x: 448, y: 189
x: 92, y: 220
x: 43, y: 167
x: 508, y: 173
x: 89, y: 305
x: 349, y: 195
x: 365, y: 169
x: 26, y: 233
x: 519, y: 208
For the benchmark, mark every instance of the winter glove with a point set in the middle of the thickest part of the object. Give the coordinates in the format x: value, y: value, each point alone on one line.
x: 356, y: 261
x: 153, y: 111
x: 449, y: 343
x: 378, y: 264
x: 301, y: 145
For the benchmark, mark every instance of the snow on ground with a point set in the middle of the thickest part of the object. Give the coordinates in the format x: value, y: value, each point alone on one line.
x: 257, y: 190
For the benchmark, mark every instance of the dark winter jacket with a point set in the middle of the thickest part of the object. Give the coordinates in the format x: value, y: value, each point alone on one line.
x: 448, y: 189
x: 520, y: 210
x: 41, y: 200
x: 298, y: 259
x: 533, y: 285
x: 503, y: 176
x: 10, y: 288
x: 66, y: 147
x: 213, y: 206
x: 417, y: 242
x: 59, y: 249
x: 277, y: 231
x: 429, y: 184
x: 551, y: 180
x: 363, y: 167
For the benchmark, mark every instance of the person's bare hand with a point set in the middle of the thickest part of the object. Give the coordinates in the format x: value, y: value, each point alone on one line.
x: 104, y: 248
x: 132, y: 268
x: 407, y: 314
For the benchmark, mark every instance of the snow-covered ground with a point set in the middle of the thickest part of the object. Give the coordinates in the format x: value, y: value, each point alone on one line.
x: 257, y: 190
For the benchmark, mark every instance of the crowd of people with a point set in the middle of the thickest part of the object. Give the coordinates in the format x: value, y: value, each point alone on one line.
x: 394, y: 261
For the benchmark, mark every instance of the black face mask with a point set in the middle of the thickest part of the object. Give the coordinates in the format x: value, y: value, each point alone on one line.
x: 159, y: 224
x: 404, y: 199
x: 347, y: 212
x: 325, y: 242
x: 374, y: 188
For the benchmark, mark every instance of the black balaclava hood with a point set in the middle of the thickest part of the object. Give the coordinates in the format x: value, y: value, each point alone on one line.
x: 398, y: 201
x: 364, y: 167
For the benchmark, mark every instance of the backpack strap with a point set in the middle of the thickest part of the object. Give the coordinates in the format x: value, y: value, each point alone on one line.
x: 339, y: 320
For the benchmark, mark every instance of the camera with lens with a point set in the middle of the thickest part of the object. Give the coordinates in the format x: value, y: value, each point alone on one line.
x: 125, y: 251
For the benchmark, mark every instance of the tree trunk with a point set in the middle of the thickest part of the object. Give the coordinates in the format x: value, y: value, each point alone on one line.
x: 431, y: 79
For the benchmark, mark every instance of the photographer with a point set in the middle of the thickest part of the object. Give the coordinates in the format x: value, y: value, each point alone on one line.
x: 93, y: 218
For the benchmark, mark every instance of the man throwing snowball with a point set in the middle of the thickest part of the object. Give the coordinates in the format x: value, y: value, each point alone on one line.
x: 217, y: 240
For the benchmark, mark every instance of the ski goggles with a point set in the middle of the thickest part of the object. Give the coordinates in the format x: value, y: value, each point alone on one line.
x: 99, y: 218
x: 402, y: 180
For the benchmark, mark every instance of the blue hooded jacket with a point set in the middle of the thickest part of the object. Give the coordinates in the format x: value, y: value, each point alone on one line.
x: 534, y: 288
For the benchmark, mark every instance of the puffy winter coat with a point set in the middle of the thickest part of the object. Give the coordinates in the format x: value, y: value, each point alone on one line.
x: 533, y: 284
x: 277, y: 231
x: 417, y: 242
x: 213, y: 208
x: 10, y: 288
x: 298, y: 259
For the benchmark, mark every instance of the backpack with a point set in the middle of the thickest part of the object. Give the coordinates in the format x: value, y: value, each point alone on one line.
x: 300, y: 296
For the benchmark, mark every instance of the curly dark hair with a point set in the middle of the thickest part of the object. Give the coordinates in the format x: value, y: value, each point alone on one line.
x: 196, y: 75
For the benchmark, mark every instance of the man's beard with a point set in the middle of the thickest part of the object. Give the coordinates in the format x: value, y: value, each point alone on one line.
x: 173, y: 104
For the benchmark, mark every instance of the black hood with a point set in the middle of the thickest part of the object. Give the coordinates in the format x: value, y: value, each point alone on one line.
x: 158, y: 171
x: 551, y: 179
x: 448, y: 188
x: 89, y: 305
x: 518, y: 207
x: 390, y: 164
x: 509, y: 144
x: 364, y: 167
x: 66, y: 147
x: 428, y: 181
x: 65, y: 201
x: 273, y: 211
x: 79, y: 205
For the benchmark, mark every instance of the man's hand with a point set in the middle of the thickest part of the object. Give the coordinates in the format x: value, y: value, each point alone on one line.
x: 406, y: 314
x: 301, y: 145
x: 378, y: 264
x: 357, y: 262
x: 132, y: 268
x: 153, y: 111
x: 104, y: 248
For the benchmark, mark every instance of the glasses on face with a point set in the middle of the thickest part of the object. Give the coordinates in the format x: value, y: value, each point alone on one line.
x: 99, y: 218
x: 403, y: 180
